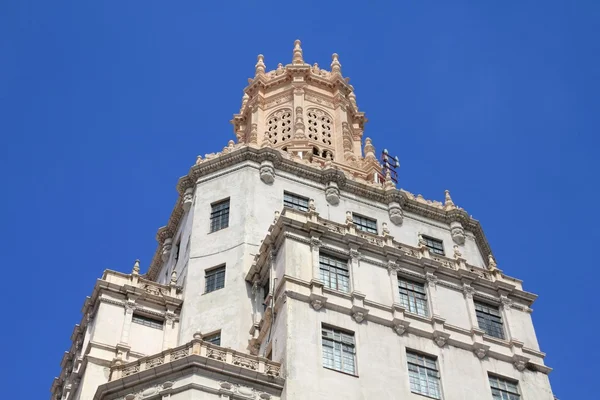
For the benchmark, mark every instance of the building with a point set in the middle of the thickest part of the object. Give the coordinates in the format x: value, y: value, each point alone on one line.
x: 311, y: 277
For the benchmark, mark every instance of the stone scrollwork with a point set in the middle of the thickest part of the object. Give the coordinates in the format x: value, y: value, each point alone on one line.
x: 267, y: 172
x: 188, y: 198
x: 166, y: 249
x: 396, y: 213
x: 440, y: 338
x: 458, y: 233
x: 332, y: 193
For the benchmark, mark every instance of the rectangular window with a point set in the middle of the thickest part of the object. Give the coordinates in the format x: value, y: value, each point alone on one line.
x: 413, y: 297
x: 334, y: 273
x: 294, y: 201
x: 338, y: 350
x: 489, y: 319
x: 435, y: 245
x: 365, y: 224
x: 215, y: 338
x: 423, y: 375
x: 147, y: 321
x: 215, y: 279
x: 219, y: 215
x: 503, y: 389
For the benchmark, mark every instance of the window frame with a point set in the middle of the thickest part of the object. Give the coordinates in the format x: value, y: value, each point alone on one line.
x: 209, y: 273
x: 334, y: 269
x: 341, y: 350
x: 218, y: 215
x: 412, y: 301
x: 212, y: 336
x: 490, y: 319
x: 363, y: 226
x: 295, y: 206
x: 430, y: 244
x: 147, y: 321
x: 432, y: 374
x: 510, y: 395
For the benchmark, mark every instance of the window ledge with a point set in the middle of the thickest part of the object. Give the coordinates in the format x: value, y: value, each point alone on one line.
x: 341, y: 372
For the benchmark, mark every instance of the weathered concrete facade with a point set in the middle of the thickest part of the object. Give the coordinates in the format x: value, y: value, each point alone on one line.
x: 300, y: 192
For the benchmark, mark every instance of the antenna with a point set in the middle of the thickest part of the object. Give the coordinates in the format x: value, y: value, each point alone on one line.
x: 390, y: 164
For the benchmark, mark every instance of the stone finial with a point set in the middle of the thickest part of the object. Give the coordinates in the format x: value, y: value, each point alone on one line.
x: 349, y: 219
x: 136, y: 267
x: 260, y: 65
x: 245, y: 99
x: 336, y: 67
x: 352, y: 97
x: 369, y: 148
x: 389, y: 183
x: 279, y: 70
x: 266, y: 142
x: 457, y: 253
x: 199, y: 160
x: 448, y: 203
x: 316, y: 68
x: 174, y: 277
x: 297, y: 58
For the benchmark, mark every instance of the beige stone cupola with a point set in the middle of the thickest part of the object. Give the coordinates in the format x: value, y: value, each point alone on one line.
x: 309, y: 114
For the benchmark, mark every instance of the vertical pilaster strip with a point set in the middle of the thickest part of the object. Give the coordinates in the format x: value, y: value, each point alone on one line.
x: 393, y: 274
x: 130, y: 306
x: 432, y: 292
x: 468, y: 291
x: 506, y: 317
x: 354, y: 268
x: 315, y: 246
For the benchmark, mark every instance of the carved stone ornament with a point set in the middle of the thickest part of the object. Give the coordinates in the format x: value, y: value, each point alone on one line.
x: 440, y: 338
x: 458, y: 233
x: 396, y: 214
x: 166, y: 249
x: 384, y: 229
x: 317, y: 304
x: 468, y: 291
x: 481, y: 350
x: 332, y: 194
x: 267, y: 172
x: 188, y: 198
x: 520, y: 362
x: 358, y: 316
x: 400, y: 328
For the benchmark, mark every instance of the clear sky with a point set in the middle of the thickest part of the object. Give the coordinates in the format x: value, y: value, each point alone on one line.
x: 104, y: 104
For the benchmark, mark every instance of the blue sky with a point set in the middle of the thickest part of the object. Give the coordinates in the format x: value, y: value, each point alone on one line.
x: 103, y: 105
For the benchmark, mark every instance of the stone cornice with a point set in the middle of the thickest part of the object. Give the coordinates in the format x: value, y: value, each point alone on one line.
x: 235, y: 154
x: 299, y: 226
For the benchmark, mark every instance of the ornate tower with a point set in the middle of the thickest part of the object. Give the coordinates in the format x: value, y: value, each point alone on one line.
x: 293, y: 268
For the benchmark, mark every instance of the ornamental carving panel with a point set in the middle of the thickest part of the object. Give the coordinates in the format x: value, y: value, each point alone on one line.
x: 279, y: 126
x: 320, y: 126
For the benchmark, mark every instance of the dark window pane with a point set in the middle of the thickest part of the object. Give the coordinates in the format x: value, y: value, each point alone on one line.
x: 215, y: 279
x: 294, y: 201
x: 365, y: 224
x: 219, y: 216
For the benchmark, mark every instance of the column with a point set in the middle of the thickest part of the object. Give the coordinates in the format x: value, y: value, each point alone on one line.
x: 432, y: 280
x: 506, y: 303
x: 468, y: 291
x: 168, y: 329
x: 354, y: 268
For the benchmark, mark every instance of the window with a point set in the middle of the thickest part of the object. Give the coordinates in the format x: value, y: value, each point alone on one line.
x: 413, y: 297
x: 338, y: 350
x: 219, y: 215
x: 423, y: 375
x: 334, y: 273
x: 294, y: 201
x: 503, y: 389
x: 365, y: 224
x: 215, y: 279
x: 489, y: 319
x: 435, y: 245
x: 147, y: 321
x: 215, y: 338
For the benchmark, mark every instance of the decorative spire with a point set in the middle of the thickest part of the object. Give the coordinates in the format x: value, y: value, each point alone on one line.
x: 448, y: 203
x: 297, y: 59
x: 260, y: 65
x: 136, y: 268
x: 352, y: 97
x: 389, y: 183
x: 245, y: 99
x: 369, y: 149
x: 336, y: 67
